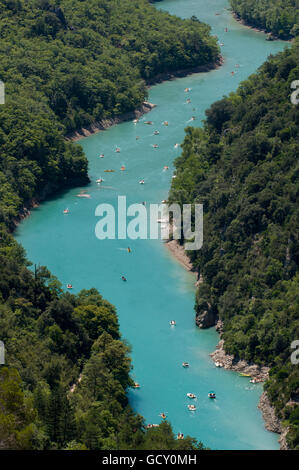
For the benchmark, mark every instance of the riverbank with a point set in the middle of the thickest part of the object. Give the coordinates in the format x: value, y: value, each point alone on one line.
x: 229, y: 362
x: 104, y: 124
x: 255, y: 28
x: 146, y: 106
x: 259, y: 374
x: 166, y: 76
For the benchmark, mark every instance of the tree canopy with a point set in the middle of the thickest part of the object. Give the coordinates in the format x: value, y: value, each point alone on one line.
x: 280, y: 17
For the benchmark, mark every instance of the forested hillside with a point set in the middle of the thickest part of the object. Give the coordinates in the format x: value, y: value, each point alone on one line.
x: 243, y: 167
x: 66, y: 372
x: 280, y: 17
x: 68, y: 63
x: 65, y: 64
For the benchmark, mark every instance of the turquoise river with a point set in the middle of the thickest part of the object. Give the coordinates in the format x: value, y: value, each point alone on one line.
x: 159, y: 289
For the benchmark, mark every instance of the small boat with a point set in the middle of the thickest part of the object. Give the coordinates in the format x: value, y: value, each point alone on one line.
x: 69, y: 286
x: 163, y: 415
x: 141, y: 182
x: 218, y: 364
x: 242, y: 374
x: 109, y: 171
x: 122, y: 168
x: 148, y: 122
x: 137, y: 137
x: 187, y: 90
x: 191, y: 407
x: 176, y: 146
x: 185, y: 364
x: 117, y: 150
x: 102, y: 155
x: 221, y: 44
x: 83, y: 195
x: 191, y: 395
x: 165, y: 167
x: 136, y: 385
x: 100, y: 180
x: 172, y: 323
x: 123, y: 278
x: 155, y: 146
x: 188, y: 101
x: 212, y: 395
x: 253, y: 381
x: 165, y: 123
x: 135, y: 121
x: 156, y: 133
x: 66, y: 211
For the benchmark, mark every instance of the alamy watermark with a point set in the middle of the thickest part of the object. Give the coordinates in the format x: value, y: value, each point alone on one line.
x: 152, y: 222
x: 295, y: 94
x: 2, y: 353
x: 2, y: 92
x: 295, y: 354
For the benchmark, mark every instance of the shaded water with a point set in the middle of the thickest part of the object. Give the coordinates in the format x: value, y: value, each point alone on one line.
x: 158, y: 288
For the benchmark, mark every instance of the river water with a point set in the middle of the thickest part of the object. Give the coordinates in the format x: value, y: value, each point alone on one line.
x: 158, y: 288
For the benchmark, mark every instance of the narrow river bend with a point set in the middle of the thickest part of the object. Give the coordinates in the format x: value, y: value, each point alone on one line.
x: 158, y: 288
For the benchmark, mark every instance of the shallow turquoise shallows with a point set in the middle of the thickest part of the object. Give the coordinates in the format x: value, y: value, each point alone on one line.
x: 158, y: 288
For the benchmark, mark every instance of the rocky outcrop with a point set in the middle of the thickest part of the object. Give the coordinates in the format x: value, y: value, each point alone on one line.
x: 260, y: 374
x: 227, y: 361
x: 206, y: 318
x: 272, y: 423
x: 106, y: 123
x: 283, y: 439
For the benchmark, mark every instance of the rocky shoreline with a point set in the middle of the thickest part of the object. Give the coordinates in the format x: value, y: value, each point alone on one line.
x: 259, y: 374
x: 104, y: 124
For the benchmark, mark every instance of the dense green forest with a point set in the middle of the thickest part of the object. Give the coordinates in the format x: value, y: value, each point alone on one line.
x: 65, y: 64
x: 243, y: 167
x: 68, y: 63
x: 66, y: 372
x: 280, y: 17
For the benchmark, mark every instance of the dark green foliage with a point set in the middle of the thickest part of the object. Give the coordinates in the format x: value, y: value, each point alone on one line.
x: 243, y: 167
x: 280, y: 17
x: 70, y: 63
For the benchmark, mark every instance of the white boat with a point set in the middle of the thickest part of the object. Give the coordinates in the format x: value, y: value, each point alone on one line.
x: 172, y: 323
x: 218, y: 364
x: 141, y: 182
x: 185, y: 364
x: 191, y: 407
x: 191, y: 395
